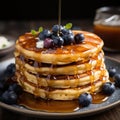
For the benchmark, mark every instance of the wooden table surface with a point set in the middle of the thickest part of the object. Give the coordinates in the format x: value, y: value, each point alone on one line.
x: 15, y: 29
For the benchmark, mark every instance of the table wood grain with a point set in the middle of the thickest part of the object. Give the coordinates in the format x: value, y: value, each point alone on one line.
x: 16, y: 28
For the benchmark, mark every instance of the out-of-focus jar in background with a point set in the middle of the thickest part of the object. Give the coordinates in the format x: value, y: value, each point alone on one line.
x: 107, y: 26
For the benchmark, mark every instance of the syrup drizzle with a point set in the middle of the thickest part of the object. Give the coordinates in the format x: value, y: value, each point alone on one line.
x: 34, y: 103
x: 36, y: 91
x: 59, y: 15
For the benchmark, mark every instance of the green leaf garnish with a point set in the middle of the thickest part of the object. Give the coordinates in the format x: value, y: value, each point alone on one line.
x: 40, y: 29
x: 68, y: 26
x: 33, y: 32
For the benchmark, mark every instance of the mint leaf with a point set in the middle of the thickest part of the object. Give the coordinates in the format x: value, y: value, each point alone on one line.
x: 33, y: 32
x: 68, y: 26
x: 40, y: 29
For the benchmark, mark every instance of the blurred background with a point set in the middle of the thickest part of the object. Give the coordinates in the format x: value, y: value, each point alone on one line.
x: 48, y: 9
x: 17, y: 17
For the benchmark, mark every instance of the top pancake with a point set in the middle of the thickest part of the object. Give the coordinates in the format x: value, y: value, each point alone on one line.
x: 26, y: 45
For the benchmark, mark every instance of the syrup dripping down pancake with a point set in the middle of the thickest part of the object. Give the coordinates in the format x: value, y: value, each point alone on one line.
x: 26, y: 45
x: 61, y: 73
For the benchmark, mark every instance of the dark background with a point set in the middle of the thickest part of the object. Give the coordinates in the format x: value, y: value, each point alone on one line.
x: 48, y: 9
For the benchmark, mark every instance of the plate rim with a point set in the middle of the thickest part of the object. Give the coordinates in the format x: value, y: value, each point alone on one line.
x: 61, y: 114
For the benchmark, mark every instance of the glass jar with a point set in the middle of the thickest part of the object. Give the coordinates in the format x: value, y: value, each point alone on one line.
x: 107, y: 26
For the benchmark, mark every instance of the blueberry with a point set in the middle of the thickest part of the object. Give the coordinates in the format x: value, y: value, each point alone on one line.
x: 1, y: 92
x: 108, y: 88
x: 79, y: 38
x: 117, y: 80
x: 10, y: 70
x: 68, y: 39
x: 112, y: 71
x: 48, y: 43
x: 85, y: 99
x: 45, y: 34
x: 1, y: 85
x: 15, y: 87
x: 69, y: 32
x: 64, y: 31
x: 9, y: 97
x: 2, y: 77
x: 58, y: 41
x: 56, y: 28
x: 1, y: 88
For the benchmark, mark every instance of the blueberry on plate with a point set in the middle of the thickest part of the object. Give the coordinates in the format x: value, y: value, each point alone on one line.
x: 112, y: 71
x: 15, y: 87
x: 2, y: 85
x: 9, y: 97
x: 117, y: 80
x: 10, y: 70
x: 108, y: 88
x: 85, y: 99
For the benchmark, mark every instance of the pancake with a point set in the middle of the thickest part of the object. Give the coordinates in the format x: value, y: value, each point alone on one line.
x: 60, y: 94
x: 26, y: 45
x: 60, y: 73
x: 69, y: 69
x: 64, y: 81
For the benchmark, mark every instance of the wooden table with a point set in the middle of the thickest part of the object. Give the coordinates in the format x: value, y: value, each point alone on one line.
x: 15, y: 29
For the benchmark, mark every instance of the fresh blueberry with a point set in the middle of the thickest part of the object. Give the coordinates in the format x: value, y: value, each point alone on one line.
x: 68, y: 39
x: 44, y: 34
x: 15, y: 87
x: 1, y: 85
x: 6, y: 85
x: 1, y: 92
x: 69, y: 32
x: 108, y: 88
x: 55, y: 40
x: 58, y: 41
x: 85, y: 99
x: 48, y: 43
x: 117, y: 80
x: 79, y: 38
x: 9, y: 97
x: 112, y: 71
x: 10, y: 70
x: 56, y: 28
x: 64, y: 31
x: 3, y: 77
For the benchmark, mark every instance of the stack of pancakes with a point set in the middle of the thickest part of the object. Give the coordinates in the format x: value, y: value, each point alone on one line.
x: 61, y: 73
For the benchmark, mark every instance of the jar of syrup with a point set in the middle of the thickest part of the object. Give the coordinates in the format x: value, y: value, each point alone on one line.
x: 107, y: 26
